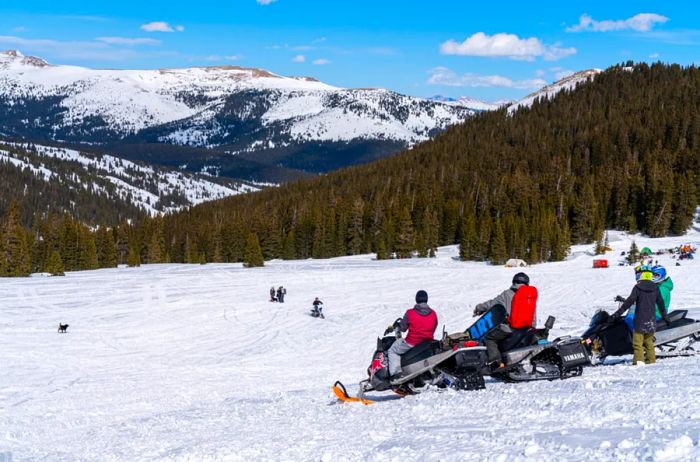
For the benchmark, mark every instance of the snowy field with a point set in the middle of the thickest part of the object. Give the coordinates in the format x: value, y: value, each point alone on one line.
x: 184, y: 362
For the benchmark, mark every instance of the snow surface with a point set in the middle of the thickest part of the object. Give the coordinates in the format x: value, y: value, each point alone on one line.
x: 472, y: 103
x: 189, y: 362
x: 567, y: 83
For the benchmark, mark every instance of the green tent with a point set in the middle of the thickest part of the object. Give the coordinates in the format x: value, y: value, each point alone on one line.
x: 646, y: 251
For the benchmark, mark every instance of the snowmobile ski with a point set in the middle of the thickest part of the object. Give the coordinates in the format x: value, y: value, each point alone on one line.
x: 342, y: 394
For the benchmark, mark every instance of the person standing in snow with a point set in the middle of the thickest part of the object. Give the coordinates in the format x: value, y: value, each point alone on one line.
x: 281, y: 292
x: 504, y: 330
x: 272, y: 294
x: 420, y: 322
x: 646, y: 297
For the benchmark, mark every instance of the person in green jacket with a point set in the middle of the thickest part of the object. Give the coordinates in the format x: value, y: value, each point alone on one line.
x: 665, y: 283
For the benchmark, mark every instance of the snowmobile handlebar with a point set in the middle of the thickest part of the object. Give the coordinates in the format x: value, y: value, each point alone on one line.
x: 394, y: 328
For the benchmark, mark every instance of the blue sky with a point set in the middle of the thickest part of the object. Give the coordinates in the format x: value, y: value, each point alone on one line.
x: 454, y: 48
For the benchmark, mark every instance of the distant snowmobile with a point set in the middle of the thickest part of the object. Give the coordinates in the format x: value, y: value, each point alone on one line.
x: 527, y: 353
x: 609, y: 336
x: 453, y: 362
x: 317, y: 311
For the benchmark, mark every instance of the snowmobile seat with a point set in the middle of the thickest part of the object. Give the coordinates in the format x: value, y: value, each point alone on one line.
x: 519, y: 338
x: 420, y: 352
x: 675, y: 315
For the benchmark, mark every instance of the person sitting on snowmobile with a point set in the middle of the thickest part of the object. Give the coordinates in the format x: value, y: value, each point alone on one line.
x: 318, y: 309
x: 504, y: 330
x: 420, y: 322
x: 661, y: 278
x: 646, y: 297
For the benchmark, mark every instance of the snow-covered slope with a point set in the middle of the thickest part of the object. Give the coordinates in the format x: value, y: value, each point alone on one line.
x: 471, y: 103
x: 205, y: 106
x: 153, y: 189
x: 549, y: 91
x: 185, y: 363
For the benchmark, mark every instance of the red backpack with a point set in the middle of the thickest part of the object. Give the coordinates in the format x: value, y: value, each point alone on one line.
x: 523, y: 306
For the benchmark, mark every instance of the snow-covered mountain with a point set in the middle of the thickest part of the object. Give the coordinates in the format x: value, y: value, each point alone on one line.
x: 471, y: 103
x: 567, y: 83
x: 151, y: 189
x: 240, y: 111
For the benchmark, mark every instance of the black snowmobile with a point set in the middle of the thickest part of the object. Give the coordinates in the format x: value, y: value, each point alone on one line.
x: 453, y: 362
x: 317, y: 311
x: 608, y: 335
x: 527, y: 354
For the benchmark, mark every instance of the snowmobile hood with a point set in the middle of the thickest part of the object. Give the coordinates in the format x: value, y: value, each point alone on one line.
x: 646, y: 286
x: 423, y: 309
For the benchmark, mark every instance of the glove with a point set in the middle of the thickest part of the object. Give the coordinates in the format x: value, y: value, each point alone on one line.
x: 389, y: 329
x: 620, y: 299
x: 478, y: 311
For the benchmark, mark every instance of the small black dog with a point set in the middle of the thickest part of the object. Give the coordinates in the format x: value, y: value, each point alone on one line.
x: 62, y: 328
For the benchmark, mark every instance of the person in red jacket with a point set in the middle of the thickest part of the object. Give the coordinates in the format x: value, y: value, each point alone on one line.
x: 420, y: 322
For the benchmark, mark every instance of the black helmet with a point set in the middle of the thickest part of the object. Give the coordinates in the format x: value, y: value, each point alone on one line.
x: 521, y: 278
x: 421, y: 296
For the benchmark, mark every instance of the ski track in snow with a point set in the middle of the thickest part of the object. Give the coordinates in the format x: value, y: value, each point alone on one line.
x: 189, y: 362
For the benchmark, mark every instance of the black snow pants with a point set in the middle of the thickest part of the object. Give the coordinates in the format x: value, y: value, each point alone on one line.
x: 492, y: 338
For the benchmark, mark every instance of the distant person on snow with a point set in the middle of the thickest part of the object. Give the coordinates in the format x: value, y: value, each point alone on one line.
x: 524, y: 316
x: 420, y: 322
x: 272, y: 294
x: 646, y: 297
x: 281, y: 292
x: 318, y: 308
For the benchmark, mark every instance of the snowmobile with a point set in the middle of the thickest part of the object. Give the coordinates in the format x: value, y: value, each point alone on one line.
x: 317, y: 312
x: 528, y: 354
x: 609, y: 335
x: 453, y: 362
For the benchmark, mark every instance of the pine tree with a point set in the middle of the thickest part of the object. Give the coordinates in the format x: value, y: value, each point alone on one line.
x: 15, y: 247
x: 382, y: 253
x: 498, y: 252
x: 54, y: 264
x: 106, y: 248
x: 356, y: 227
x: 467, y: 238
x: 633, y: 254
x: 134, y: 258
x: 289, y: 251
x: 156, y: 244
x: 253, y: 252
x: 405, y: 240
x: 87, y: 259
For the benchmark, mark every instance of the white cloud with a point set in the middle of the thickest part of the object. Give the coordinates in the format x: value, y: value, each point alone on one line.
x: 654, y: 56
x: 321, y: 62
x: 161, y: 26
x: 505, y: 46
x: 128, y: 41
x: 642, y: 22
x: 299, y: 59
x: 447, y: 77
x: 265, y: 2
